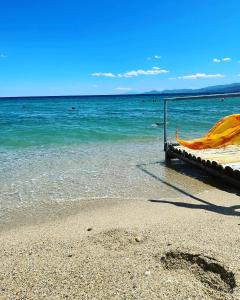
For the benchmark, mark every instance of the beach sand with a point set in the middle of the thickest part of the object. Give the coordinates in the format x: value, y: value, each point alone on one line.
x: 181, y: 248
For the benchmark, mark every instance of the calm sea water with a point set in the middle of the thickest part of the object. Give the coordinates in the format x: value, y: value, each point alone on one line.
x: 27, y: 122
x: 60, y: 150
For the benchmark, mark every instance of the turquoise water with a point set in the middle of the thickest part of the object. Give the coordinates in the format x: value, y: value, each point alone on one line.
x: 107, y: 147
x: 53, y: 121
x: 27, y: 122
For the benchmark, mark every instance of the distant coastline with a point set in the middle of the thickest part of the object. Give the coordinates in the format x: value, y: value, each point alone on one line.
x: 221, y: 89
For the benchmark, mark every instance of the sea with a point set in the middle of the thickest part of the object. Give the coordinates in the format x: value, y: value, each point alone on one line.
x: 59, y: 150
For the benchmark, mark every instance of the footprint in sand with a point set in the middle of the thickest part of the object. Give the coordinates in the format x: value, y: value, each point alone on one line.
x: 209, y: 271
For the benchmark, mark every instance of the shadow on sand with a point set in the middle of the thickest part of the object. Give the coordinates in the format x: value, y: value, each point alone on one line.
x: 193, y: 172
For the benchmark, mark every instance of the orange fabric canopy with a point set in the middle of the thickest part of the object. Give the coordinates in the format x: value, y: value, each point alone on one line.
x: 225, y: 132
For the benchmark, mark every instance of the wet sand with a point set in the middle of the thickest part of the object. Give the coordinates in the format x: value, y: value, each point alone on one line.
x: 161, y: 248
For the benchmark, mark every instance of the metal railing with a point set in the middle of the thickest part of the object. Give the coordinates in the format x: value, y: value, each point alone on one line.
x: 198, y: 97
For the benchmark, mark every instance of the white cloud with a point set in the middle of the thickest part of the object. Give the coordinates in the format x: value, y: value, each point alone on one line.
x: 124, y: 89
x: 3, y: 55
x: 200, y: 76
x: 226, y: 59
x: 154, y: 57
x: 218, y: 60
x: 103, y: 74
x: 133, y: 73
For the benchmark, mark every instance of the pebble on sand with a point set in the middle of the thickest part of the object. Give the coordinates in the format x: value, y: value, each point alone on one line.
x: 147, y: 273
x: 138, y: 239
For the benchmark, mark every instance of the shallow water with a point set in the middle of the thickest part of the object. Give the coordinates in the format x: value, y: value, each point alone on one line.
x: 104, y: 148
x: 120, y: 171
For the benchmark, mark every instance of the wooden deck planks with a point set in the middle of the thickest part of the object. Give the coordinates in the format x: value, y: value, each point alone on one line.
x: 225, y: 156
x: 223, y: 163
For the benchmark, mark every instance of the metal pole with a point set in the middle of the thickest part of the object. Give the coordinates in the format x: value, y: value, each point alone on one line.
x: 165, y: 124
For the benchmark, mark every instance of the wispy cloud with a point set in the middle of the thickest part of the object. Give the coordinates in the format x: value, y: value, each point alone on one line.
x: 124, y: 89
x: 154, y: 57
x: 3, y: 55
x: 99, y: 74
x: 153, y: 71
x: 133, y: 73
x: 226, y: 59
x: 198, y: 76
x: 218, y: 60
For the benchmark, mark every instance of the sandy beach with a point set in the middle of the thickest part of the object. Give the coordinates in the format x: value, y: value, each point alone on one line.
x: 119, y: 140
x: 181, y: 248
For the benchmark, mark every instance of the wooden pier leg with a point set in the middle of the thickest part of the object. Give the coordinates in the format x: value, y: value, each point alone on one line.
x: 167, y: 156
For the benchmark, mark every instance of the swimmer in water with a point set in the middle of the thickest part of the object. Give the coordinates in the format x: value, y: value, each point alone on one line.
x: 157, y: 124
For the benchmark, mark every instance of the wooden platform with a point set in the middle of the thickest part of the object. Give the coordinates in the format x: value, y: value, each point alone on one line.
x: 223, y: 162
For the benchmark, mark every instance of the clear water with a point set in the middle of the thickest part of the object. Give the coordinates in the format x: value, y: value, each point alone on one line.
x: 27, y: 122
x: 103, y: 148
x: 54, y: 121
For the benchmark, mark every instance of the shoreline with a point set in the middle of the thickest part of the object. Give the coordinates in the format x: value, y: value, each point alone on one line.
x: 146, y: 236
x: 144, y: 247
x: 44, y: 182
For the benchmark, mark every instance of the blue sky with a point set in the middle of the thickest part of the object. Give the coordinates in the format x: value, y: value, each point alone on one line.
x: 108, y: 47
